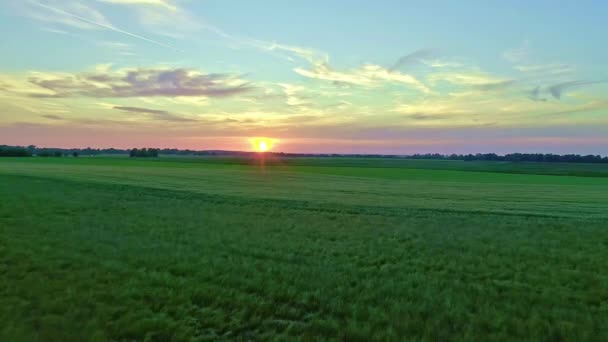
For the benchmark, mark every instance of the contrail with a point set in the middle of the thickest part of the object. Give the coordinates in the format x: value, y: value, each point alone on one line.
x: 106, y: 26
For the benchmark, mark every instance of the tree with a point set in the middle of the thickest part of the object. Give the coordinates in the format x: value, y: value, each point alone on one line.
x: 144, y: 152
x: 31, y: 149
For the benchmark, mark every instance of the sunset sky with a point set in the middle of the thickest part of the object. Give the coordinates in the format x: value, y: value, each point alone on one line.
x: 318, y: 76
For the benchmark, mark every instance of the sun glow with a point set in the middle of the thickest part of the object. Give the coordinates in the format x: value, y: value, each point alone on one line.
x: 262, y: 144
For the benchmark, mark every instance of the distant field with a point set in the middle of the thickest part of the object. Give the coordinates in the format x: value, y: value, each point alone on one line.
x: 319, y: 248
x: 563, y: 169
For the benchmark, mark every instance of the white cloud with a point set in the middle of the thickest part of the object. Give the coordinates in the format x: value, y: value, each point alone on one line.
x: 440, y: 64
x: 312, y: 56
x: 369, y: 75
x: 518, y: 55
x: 174, y: 24
x: 432, y: 107
x: 466, y: 78
x: 376, y: 72
x: 293, y: 94
x: 552, y: 68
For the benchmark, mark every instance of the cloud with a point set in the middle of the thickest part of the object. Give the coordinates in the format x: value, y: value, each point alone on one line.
x: 557, y: 89
x: 413, y: 58
x: 159, y: 3
x: 519, y: 54
x: 139, y: 83
x: 535, y: 95
x: 310, y: 55
x: 369, y: 75
x: 293, y: 95
x: 117, y: 48
x: 154, y: 113
x: 437, y: 63
x: 478, y: 108
x: 494, y: 86
x: 433, y: 108
x: 591, y: 106
x: 114, y: 45
x: 164, y: 17
x: 52, y: 30
x: 52, y: 117
x: 424, y: 117
x: 177, y: 24
x: 552, y: 69
x: 468, y: 78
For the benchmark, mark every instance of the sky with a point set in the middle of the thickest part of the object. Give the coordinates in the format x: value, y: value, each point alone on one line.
x: 341, y: 76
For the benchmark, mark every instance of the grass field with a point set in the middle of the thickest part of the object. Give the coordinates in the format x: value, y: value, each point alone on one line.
x: 350, y: 249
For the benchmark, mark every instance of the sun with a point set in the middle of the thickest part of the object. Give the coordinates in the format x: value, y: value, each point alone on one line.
x: 262, y: 144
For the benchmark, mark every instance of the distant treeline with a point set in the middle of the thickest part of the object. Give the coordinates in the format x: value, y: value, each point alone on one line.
x: 517, y: 157
x: 29, y: 151
x: 14, y: 151
x: 512, y: 157
x: 144, y: 152
x: 20, y: 151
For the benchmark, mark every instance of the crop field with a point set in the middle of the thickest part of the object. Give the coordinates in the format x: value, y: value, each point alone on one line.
x: 194, y: 249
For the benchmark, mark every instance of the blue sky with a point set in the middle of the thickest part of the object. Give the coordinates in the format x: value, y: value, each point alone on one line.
x: 315, y: 76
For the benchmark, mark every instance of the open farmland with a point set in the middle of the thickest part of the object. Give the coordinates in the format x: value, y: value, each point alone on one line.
x: 357, y: 249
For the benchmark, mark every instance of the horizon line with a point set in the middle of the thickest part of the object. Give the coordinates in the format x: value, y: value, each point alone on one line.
x: 305, y: 153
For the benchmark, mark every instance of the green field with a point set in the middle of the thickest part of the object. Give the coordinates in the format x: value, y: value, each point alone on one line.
x: 310, y: 248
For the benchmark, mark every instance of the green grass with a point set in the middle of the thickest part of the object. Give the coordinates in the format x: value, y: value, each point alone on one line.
x: 193, y: 249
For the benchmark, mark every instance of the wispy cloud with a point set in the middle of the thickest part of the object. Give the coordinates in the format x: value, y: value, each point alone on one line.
x: 312, y: 56
x: 159, y: 3
x: 557, y: 89
x: 164, y: 17
x: 369, y: 75
x: 118, y: 48
x: 294, y: 96
x: 155, y: 114
x: 468, y: 78
x: 413, y: 58
x: 551, y: 69
x: 433, y: 108
x: 53, y: 30
x: 519, y: 54
x: 534, y: 95
x: 425, y: 117
x: 586, y: 107
x: 495, y: 86
x: 52, y: 117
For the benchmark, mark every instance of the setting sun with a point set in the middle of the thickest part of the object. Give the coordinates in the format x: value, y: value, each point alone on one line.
x: 262, y: 144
